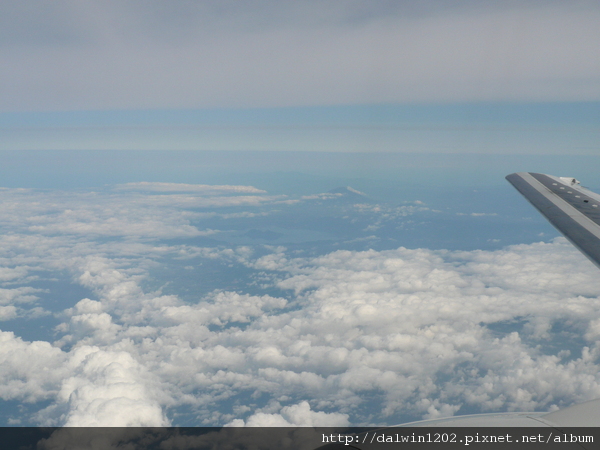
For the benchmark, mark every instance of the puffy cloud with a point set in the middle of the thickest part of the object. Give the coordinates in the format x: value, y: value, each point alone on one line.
x: 90, y: 387
x: 426, y: 319
x: 407, y: 327
x: 299, y: 415
x: 25, y: 299
x: 417, y: 333
x: 371, y: 337
x: 29, y: 371
x: 109, y: 389
x: 18, y: 295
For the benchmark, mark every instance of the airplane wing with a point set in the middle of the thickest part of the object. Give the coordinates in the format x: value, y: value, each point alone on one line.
x: 571, y: 208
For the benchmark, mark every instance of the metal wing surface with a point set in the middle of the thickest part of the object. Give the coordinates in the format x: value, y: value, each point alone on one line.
x: 571, y: 208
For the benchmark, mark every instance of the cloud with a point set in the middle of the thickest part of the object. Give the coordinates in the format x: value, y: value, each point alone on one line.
x: 26, y: 300
x: 30, y: 371
x: 89, y: 387
x: 128, y: 214
x: 323, y: 196
x: 109, y: 389
x: 18, y: 295
x: 73, y: 55
x: 181, y: 187
x: 11, y: 273
x: 359, y: 337
x: 412, y: 331
x: 413, y: 311
x: 299, y: 415
x: 8, y: 312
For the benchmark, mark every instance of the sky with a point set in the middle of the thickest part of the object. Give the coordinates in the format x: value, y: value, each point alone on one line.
x: 291, y: 213
x: 82, y: 55
x: 388, y: 76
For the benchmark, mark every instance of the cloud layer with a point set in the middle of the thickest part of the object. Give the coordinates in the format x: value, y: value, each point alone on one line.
x: 347, y: 337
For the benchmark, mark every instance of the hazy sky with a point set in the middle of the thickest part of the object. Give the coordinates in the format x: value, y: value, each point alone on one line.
x: 132, y: 56
x: 197, y: 54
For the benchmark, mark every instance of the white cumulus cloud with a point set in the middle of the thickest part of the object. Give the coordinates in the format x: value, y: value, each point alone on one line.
x: 346, y: 337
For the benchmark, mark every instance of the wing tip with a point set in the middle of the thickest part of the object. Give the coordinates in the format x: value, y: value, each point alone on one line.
x: 511, y: 178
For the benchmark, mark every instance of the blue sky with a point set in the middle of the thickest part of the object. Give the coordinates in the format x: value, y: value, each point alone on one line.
x: 506, y: 128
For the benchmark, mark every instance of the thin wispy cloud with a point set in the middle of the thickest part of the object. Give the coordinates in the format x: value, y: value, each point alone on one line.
x: 182, y: 187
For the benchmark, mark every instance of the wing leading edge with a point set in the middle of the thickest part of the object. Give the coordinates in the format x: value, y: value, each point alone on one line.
x: 573, y: 210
